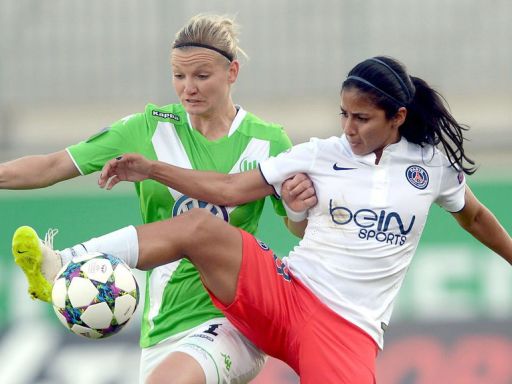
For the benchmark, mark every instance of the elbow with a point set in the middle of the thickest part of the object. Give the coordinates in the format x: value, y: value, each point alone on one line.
x: 473, y: 223
x: 227, y: 198
x: 228, y: 194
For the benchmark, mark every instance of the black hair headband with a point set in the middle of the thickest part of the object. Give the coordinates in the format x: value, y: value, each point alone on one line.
x: 201, y: 45
x: 360, y: 79
x: 402, y: 84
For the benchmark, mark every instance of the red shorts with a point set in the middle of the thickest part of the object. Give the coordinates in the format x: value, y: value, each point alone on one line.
x: 287, y: 321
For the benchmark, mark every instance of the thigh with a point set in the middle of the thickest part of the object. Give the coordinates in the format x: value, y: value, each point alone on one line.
x: 211, y: 244
x: 335, y: 351
x: 266, y: 307
x: 215, y: 249
x: 216, y: 348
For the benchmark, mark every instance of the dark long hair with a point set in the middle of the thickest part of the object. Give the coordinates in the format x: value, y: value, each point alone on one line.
x: 386, y: 82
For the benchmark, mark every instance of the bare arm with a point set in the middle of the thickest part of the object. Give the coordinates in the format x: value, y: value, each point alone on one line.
x: 217, y: 188
x: 37, y: 171
x: 483, y: 225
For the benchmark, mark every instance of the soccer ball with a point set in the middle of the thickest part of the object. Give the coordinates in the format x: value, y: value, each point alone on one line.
x: 95, y: 295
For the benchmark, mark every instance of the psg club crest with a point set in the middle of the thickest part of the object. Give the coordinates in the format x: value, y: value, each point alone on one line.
x: 417, y: 176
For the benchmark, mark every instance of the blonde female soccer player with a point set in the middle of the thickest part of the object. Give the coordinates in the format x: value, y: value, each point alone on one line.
x: 183, y: 337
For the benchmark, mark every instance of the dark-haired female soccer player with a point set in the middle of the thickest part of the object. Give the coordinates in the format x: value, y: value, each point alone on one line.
x: 325, y: 307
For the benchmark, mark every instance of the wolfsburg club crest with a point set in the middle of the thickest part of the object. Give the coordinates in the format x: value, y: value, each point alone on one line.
x: 186, y: 203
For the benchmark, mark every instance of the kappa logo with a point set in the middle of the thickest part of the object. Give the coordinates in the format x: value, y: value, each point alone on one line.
x: 166, y: 115
x: 417, y: 176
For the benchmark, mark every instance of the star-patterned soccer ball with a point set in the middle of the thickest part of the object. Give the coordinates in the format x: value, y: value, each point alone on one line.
x: 95, y: 295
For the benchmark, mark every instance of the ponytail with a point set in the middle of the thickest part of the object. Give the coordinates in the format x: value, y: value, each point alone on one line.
x: 430, y: 122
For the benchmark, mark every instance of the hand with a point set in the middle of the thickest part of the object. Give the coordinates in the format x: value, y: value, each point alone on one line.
x: 299, y: 193
x: 128, y: 167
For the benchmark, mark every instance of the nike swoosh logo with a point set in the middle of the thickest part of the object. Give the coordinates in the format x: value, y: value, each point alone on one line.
x: 337, y: 168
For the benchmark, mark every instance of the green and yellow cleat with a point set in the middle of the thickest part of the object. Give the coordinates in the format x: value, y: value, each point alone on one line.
x: 38, y: 261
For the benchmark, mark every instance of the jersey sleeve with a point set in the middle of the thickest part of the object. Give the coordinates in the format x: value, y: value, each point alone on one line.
x: 299, y: 159
x: 452, y: 189
x: 282, y: 144
x: 278, y: 146
x: 121, y: 137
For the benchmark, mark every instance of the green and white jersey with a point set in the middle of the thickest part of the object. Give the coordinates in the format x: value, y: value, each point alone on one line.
x: 175, y: 298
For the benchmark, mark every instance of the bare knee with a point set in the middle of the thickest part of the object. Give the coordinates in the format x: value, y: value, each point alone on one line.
x: 177, y: 368
x: 211, y: 242
x: 202, y: 226
x: 167, y: 241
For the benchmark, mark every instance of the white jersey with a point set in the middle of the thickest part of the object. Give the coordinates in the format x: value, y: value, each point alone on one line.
x: 363, y: 232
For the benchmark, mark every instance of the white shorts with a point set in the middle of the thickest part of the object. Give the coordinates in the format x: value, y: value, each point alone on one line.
x: 225, y: 355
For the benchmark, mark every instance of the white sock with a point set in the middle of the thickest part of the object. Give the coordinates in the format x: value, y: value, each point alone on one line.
x: 122, y: 243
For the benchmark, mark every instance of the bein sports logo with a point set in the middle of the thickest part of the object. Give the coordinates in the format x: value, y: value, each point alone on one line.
x: 185, y: 204
x: 382, y: 226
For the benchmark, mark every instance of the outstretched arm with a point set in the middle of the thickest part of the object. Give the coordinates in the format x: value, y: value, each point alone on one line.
x: 483, y: 225
x: 217, y: 188
x: 37, y: 171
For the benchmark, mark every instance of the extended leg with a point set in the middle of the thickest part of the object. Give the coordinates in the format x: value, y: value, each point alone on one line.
x: 211, y: 244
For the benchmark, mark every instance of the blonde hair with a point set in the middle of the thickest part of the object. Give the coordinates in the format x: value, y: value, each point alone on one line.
x: 220, y: 32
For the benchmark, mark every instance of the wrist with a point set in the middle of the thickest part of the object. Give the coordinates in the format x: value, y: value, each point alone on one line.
x: 294, y: 215
x: 153, y: 171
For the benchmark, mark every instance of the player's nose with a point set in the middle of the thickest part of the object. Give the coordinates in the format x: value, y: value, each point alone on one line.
x: 349, y: 127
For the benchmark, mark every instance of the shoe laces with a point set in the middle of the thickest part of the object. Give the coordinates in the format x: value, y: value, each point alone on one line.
x: 48, y: 238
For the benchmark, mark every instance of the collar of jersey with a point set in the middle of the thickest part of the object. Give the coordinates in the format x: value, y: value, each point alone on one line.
x: 369, y: 159
x: 236, y: 121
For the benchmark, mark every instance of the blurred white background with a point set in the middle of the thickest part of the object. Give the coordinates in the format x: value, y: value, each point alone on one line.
x: 70, y: 67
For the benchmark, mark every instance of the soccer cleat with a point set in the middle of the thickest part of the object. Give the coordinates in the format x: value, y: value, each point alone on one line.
x: 37, y: 259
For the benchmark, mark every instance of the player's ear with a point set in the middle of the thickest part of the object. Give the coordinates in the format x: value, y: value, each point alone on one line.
x: 234, y: 68
x: 400, y: 116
